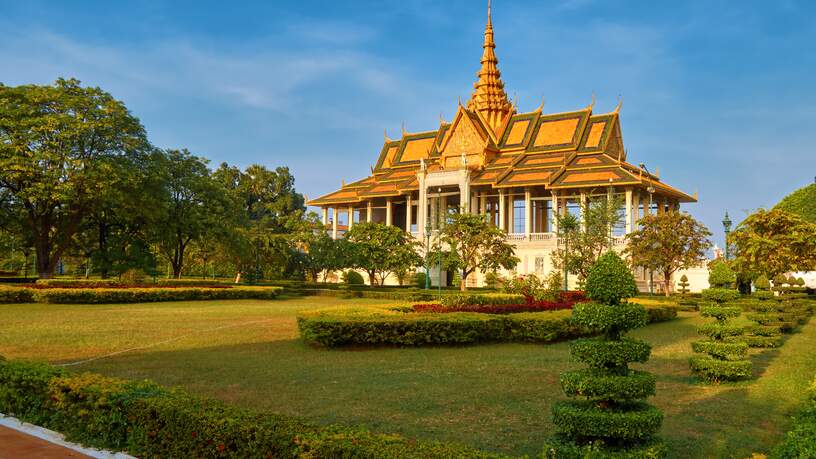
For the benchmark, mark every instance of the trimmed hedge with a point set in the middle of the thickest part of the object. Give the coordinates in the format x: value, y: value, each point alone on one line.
x: 16, y: 295
x: 147, y: 420
x: 537, y: 306
x: 492, y: 299
x: 336, y: 328
x: 149, y: 295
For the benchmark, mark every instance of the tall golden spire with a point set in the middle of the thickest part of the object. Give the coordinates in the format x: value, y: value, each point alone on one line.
x: 488, y: 96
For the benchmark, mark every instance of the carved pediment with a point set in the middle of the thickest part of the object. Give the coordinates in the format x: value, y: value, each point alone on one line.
x: 465, y: 144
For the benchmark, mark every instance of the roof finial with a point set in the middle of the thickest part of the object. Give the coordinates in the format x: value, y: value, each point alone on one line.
x: 592, y: 105
x: 540, y: 107
x: 620, y: 102
x: 441, y: 118
x: 385, y: 135
x: 489, y: 97
x: 404, y: 132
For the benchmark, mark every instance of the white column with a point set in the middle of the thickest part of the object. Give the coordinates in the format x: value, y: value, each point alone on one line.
x: 434, y: 204
x: 408, y: 213
x: 483, y: 204
x: 528, y: 213
x: 636, y: 209
x: 647, y: 205
x: 325, y: 216
x: 628, y: 210
x: 511, y: 214
x: 555, y: 211
x: 474, y: 203
x: 335, y: 213
x: 369, y: 211
x: 388, y: 217
x: 350, y: 217
x: 502, y: 204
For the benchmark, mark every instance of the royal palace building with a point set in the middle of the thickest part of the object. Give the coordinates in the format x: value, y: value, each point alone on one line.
x: 520, y: 170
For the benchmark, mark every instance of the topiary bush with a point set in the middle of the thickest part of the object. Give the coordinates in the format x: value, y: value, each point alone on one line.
x: 720, y: 295
x: 612, y: 417
x: 726, y: 353
x: 721, y: 275
x: 684, y: 284
x: 762, y: 283
x: 353, y: 278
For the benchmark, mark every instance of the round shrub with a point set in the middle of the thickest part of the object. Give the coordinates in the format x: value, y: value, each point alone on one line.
x: 610, y: 319
x: 599, y: 385
x: 720, y: 312
x: 763, y: 295
x: 610, y: 280
x: 585, y: 420
x: 353, y: 278
x: 720, y: 295
x: 762, y: 283
x: 721, y: 275
x: 600, y: 353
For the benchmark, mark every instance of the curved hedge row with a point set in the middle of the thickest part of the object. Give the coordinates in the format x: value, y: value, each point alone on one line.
x: 147, y: 420
x: 134, y: 295
x: 335, y: 328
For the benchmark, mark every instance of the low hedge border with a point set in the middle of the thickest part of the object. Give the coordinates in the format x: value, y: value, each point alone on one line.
x: 146, y: 420
x: 335, y: 328
x: 134, y: 295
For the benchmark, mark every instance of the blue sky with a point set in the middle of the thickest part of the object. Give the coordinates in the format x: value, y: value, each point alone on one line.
x: 717, y: 95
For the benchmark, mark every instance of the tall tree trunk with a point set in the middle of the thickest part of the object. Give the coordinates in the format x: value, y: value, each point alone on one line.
x: 372, y: 279
x: 667, y: 282
x: 42, y: 247
x: 463, y: 283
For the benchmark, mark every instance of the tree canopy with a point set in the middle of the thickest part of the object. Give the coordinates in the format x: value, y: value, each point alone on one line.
x: 61, y: 148
x: 773, y: 242
x: 467, y: 242
x: 668, y: 242
x: 381, y: 250
x: 801, y: 202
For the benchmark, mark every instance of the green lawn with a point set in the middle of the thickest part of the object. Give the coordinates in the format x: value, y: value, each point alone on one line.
x: 496, y: 397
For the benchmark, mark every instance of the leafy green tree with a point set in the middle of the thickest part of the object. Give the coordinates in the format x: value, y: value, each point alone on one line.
x: 591, y: 239
x: 60, y: 148
x: 273, y: 213
x: 322, y: 254
x: 195, y: 207
x: 801, y: 202
x: 467, y: 242
x: 774, y: 242
x: 668, y: 242
x: 381, y: 250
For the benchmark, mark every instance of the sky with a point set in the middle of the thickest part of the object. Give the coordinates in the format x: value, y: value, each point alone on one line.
x: 717, y: 95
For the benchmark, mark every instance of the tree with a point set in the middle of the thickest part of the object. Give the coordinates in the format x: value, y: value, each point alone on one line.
x: 801, y: 202
x: 195, y: 206
x: 613, y: 418
x: 598, y: 217
x: 467, y: 242
x: 774, y: 242
x: 668, y: 242
x: 321, y: 253
x: 720, y: 275
x: 272, y: 213
x: 381, y: 250
x: 59, y: 149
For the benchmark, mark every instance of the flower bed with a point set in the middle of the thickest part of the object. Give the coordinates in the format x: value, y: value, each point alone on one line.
x: 147, y: 420
x: 538, y: 306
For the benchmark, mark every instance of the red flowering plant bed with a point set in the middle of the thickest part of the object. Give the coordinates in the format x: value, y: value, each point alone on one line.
x: 535, y: 306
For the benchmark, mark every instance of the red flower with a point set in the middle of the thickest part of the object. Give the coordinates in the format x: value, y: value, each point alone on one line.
x: 195, y: 434
x: 221, y: 447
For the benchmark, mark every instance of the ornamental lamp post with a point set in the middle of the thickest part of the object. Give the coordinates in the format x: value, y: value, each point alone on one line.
x: 438, y: 233
x: 727, y: 227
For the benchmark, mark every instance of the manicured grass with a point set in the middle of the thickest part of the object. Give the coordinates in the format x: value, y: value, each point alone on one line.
x: 496, y: 397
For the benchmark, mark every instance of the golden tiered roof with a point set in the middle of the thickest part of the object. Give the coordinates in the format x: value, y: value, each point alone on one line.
x: 505, y: 149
